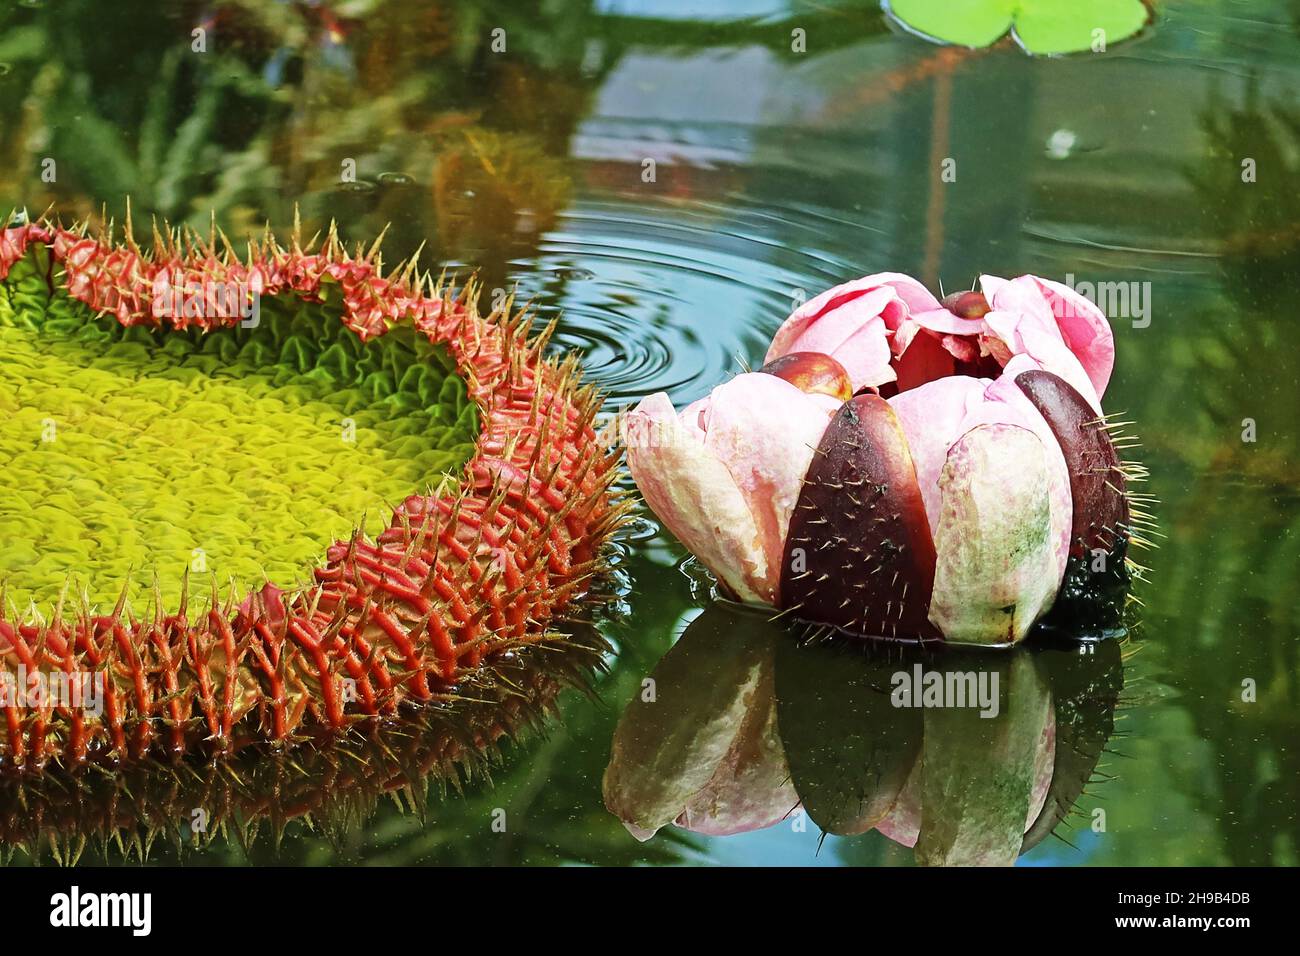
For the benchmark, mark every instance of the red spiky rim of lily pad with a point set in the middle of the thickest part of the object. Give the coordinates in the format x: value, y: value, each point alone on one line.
x: 454, y: 579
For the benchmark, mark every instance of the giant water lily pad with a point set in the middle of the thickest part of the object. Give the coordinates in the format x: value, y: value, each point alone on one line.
x: 383, y: 487
x: 1040, y: 26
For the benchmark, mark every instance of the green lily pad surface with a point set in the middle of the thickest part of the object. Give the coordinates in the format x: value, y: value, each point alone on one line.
x: 241, y: 453
x: 1041, y: 26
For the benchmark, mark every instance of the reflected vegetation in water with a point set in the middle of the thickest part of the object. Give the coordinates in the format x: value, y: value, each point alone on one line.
x: 969, y: 758
x: 794, y: 172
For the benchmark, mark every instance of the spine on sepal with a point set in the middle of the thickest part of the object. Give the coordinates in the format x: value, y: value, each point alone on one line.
x: 1106, y: 517
x: 859, y: 554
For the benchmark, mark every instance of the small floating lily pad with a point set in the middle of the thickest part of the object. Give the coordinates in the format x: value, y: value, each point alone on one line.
x: 1041, y: 26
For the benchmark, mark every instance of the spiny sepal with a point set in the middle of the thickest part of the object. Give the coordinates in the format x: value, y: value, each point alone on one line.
x: 859, y: 555
x: 1108, y: 518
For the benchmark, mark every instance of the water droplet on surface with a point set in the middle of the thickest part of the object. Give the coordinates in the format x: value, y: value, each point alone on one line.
x: 395, y: 179
x: 360, y: 186
x: 1061, y: 144
x: 573, y: 272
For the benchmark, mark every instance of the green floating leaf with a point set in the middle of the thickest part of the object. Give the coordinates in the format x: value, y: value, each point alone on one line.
x: 1041, y: 26
x: 1068, y: 26
x: 974, y: 23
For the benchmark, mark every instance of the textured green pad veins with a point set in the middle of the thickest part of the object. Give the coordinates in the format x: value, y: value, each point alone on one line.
x: 241, y: 453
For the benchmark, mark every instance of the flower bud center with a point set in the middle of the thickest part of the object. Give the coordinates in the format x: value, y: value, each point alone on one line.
x: 967, y: 305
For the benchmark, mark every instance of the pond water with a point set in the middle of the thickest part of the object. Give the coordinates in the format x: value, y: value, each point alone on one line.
x: 775, y: 174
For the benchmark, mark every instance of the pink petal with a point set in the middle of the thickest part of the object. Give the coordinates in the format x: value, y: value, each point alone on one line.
x: 1066, y: 333
x: 865, y: 356
x: 695, y: 417
x: 827, y: 331
x: 694, y: 495
x: 932, y: 417
x: 1034, y: 334
x: 948, y: 323
x: 725, y: 476
x: 916, y: 296
x: 765, y: 431
x: 936, y: 415
x: 854, y: 333
x: 1085, y: 330
x: 890, y: 295
x: 1022, y: 294
x: 1054, y: 356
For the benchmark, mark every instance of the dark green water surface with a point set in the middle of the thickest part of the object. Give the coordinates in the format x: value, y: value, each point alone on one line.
x: 777, y: 174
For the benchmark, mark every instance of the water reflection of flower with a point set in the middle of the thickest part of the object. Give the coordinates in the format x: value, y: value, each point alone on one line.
x: 742, y: 725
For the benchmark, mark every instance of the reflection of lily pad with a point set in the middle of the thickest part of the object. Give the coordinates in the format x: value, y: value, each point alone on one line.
x: 1041, y: 26
x: 257, y: 795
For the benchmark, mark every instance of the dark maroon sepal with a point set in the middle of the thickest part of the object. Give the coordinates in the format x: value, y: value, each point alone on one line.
x: 1097, y: 484
x: 859, y: 555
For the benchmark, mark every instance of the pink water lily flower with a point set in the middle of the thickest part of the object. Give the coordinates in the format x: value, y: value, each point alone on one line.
x: 905, y: 467
x: 889, y: 331
x: 1061, y: 330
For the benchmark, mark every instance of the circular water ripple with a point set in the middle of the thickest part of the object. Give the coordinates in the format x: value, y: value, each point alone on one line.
x: 673, y: 297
